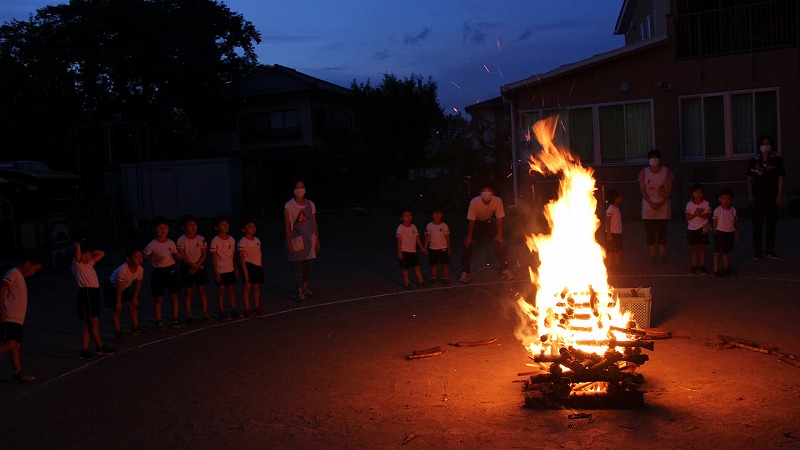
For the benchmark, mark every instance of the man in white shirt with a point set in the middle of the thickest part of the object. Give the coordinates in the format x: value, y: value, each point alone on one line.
x: 485, y: 216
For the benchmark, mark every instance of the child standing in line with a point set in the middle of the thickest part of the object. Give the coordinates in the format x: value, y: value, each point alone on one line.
x: 613, y: 230
x: 88, y: 299
x: 160, y: 252
x: 192, y: 252
x: 123, y: 286
x: 13, y: 306
x: 437, y: 242
x: 407, y: 242
x: 223, y: 248
x: 725, y: 232
x: 698, y: 216
x: 252, y: 270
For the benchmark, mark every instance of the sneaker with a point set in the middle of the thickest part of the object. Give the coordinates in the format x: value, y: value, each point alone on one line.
x: 176, y: 324
x: 118, y: 336
x: 190, y: 321
x: 138, y: 331
x: 446, y: 281
x: 694, y: 271
x: 757, y: 256
x: 407, y: 285
x: 105, y: 350
x: 236, y: 314
x: 22, y: 377
x: 421, y: 283
x: 308, y: 293
x: 223, y: 316
x: 160, y: 325
x: 206, y: 318
x: 702, y: 270
x: 771, y: 255
x: 86, y: 355
x: 249, y: 313
x: 301, y: 298
x: 434, y: 282
x: 507, y: 275
x: 259, y: 312
x: 464, y: 277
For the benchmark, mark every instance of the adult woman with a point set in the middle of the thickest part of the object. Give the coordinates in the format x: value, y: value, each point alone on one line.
x: 655, y: 184
x: 765, y: 174
x: 302, y: 238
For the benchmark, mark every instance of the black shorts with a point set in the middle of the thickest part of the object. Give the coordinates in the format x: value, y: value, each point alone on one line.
x: 165, y: 279
x: 439, y: 256
x: 615, y: 243
x: 10, y: 331
x: 226, y: 279
x: 111, y: 295
x: 410, y: 259
x: 254, y: 273
x: 88, y: 302
x: 696, y: 237
x: 723, y: 241
x: 199, y: 278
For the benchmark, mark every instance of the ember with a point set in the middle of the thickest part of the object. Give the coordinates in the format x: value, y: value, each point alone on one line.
x: 587, y: 348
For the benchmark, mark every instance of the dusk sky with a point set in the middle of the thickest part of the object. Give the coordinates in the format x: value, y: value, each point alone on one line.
x: 469, y: 47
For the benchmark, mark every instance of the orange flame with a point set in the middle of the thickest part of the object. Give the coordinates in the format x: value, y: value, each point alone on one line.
x: 574, y: 305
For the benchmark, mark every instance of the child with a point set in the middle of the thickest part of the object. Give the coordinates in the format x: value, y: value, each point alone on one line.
x: 13, y: 306
x: 437, y: 242
x: 225, y: 273
x: 613, y: 230
x: 160, y: 252
x: 252, y: 270
x: 123, y: 286
x: 88, y: 299
x: 698, y: 215
x: 192, y: 252
x: 407, y: 242
x: 725, y: 232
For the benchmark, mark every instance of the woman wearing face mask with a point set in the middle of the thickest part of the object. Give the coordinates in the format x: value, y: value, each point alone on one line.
x: 765, y: 174
x: 655, y: 184
x: 302, y: 238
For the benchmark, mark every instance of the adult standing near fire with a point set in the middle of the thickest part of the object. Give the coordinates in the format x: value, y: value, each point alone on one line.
x: 765, y: 174
x: 302, y: 237
x: 655, y: 184
x: 485, y: 217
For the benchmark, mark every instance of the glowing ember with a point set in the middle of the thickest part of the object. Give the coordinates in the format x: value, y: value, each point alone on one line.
x: 574, y: 305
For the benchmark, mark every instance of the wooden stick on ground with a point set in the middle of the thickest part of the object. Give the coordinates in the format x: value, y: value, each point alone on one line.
x: 746, y: 344
x: 427, y: 353
x: 474, y: 343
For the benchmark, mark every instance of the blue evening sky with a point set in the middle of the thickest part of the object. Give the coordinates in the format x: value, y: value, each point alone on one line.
x: 469, y: 47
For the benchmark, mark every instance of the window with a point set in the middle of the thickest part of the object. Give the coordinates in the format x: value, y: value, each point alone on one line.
x: 726, y: 125
x: 600, y: 134
x: 270, y: 125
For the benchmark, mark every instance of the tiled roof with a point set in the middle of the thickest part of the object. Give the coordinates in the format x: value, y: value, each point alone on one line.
x: 278, y: 80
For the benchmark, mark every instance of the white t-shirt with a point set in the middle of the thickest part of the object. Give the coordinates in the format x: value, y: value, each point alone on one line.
x: 725, y: 219
x: 408, y: 238
x: 478, y: 210
x: 613, y: 219
x: 192, y: 248
x: 15, y: 304
x: 224, y: 249
x: 85, y: 274
x: 696, y: 223
x: 438, y: 234
x: 123, y: 276
x: 251, y: 249
x: 163, y: 249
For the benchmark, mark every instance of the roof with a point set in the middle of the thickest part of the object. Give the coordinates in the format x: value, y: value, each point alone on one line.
x: 492, y: 103
x: 278, y: 80
x: 29, y: 171
x: 588, y: 62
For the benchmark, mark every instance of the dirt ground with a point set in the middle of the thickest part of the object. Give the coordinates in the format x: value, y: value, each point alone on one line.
x: 332, y: 373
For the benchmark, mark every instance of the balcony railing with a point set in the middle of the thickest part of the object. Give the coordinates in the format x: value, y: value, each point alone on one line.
x: 760, y: 26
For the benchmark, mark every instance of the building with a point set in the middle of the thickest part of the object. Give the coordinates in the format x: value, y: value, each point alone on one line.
x: 699, y: 80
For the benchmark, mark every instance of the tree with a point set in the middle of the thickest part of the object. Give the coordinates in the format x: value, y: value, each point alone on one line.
x: 144, y: 61
x: 396, y: 121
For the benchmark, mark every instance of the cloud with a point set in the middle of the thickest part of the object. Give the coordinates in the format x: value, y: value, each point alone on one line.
x: 413, y: 39
x: 381, y: 55
x: 524, y: 35
x: 473, y: 35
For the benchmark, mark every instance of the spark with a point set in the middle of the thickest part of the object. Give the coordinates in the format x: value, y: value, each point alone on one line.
x: 454, y: 84
x: 487, y: 69
x: 500, y: 71
x: 573, y: 87
x: 455, y: 109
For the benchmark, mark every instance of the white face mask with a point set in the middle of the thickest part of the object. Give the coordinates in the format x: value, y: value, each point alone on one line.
x: 765, y: 148
x: 486, y: 196
x: 654, y: 162
x: 299, y: 192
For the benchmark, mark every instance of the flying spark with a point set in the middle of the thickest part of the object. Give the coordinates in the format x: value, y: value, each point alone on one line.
x: 498, y: 44
x: 454, y: 84
x: 487, y: 69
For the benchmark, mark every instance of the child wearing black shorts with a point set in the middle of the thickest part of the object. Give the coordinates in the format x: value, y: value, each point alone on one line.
x: 437, y: 241
x: 407, y: 242
x: 192, y: 253
x: 88, y: 299
x: 725, y: 232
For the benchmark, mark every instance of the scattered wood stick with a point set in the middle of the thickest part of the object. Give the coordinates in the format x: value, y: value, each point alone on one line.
x: 408, y: 438
x: 746, y: 344
x: 427, y: 353
x: 474, y: 343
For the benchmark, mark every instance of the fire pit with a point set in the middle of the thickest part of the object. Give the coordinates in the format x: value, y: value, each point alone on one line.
x: 586, y: 347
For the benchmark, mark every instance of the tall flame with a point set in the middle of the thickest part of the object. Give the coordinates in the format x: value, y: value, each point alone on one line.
x: 574, y: 305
